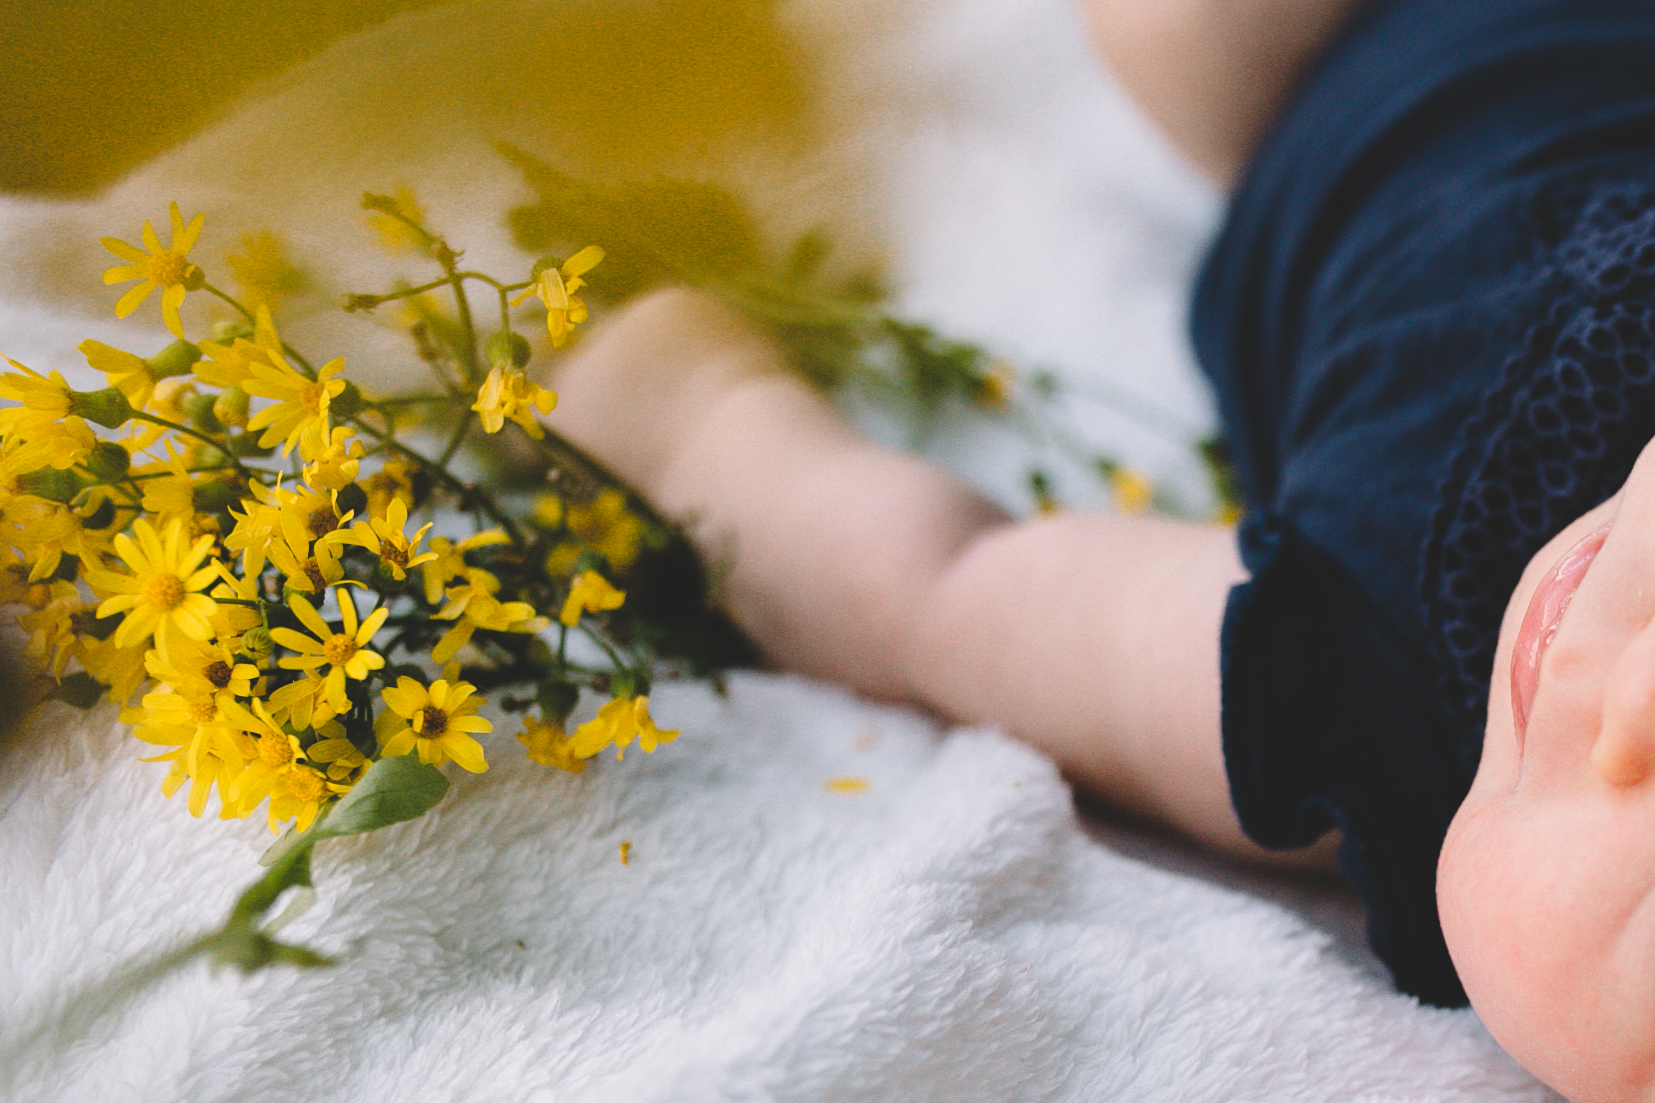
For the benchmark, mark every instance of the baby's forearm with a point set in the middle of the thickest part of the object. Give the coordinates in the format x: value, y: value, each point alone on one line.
x: 1094, y: 637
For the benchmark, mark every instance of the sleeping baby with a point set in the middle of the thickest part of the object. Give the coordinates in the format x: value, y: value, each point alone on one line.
x: 1428, y: 650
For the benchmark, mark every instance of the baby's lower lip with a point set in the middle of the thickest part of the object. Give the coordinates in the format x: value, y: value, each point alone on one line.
x: 1540, y: 623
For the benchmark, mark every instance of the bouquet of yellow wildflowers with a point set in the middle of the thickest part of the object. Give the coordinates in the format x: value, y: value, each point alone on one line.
x: 222, y: 538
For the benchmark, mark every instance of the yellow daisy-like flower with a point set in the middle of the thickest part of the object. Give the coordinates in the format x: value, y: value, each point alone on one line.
x: 556, y: 288
x: 263, y: 271
x: 507, y: 395
x: 475, y: 606
x: 231, y: 365
x: 449, y: 560
x: 124, y: 370
x: 345, y: 653
x: 384, y: 537
x: 56, y: 444
x: 167, y: 268
x: 54, y: 629
x: 160, y: 596
x: 604, y: 524
x: 435, y: 721
x: 120, y: 668
x: 301, y: 404
x: 332, y: 460
x: 589, y: 593
x: 206, y: 748
x: 548, y: 745
x: 47, y: 531
x: 45, y: 399
x: 394, y: 480
x: 200, y: 669
x: 280, y: 770
x: 618, y: 723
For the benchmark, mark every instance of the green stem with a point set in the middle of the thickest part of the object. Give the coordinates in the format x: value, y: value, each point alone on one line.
x: 456, y: 440
x: 240, y: 468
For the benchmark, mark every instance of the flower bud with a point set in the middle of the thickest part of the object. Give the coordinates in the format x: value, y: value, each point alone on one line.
x: 556, y: 699
x: 199, y: 407
x: 107, y: 407
x: 109, y: 461
x: 230, y: 407
x: 247, y: 444
x: 385, y: 581
x: 194, y: 278
x: 544, y: 263
x: 351, y: 499
x: 227, y: 332
x: 627, y: 683
x: 256, y: 643
x: 176, y: 359
x: 51, y: 484
x: 348, y: 402
x: 101, y: 517
x: 506, y: 350
x: 213, y: 495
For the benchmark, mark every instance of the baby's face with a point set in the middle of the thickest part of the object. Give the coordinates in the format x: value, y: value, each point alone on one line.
x: 1546, y: 884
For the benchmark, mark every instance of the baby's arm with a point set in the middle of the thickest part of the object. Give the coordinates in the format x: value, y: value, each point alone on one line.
x: 1212, y: 73
x: 1094, y: 637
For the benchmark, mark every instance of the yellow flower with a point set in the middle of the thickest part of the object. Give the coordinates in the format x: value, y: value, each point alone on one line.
x: 556, y: 288
x: 263, y: 271
x: 302, y: 704
x: 124, y: 370
x: 449, y: 561
x: 159, y: 597
x: 331, y: 460
x: 604, y: 524
x: 506, y: 395
x: 1133, y: 492
x: 589, y: 593
x: 436, y: 721
x: 167, y: 268
x: 393, y: 232
x: 475, y: 606
x: 206, y: 746
x: 345, y: 653
x: 301, y: 404
x: 45, y: 399
x: 200, y: 668
x: 57, y: 444
x: 394, y: 480
x: 231, y: 365
x: 548, y: 745
x: 336, y: 754
x: 55, y: 628
x: 279, y: 770
x: 47, y: 531
x: 119, y: 668
x: 619, y: 722
x: 385, y: 538
x: 283, y: 526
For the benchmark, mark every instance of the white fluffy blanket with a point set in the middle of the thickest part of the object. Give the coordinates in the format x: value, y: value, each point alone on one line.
x: 951, y: 933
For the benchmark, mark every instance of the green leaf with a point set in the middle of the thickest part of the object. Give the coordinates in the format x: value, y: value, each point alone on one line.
x: 393, y: 790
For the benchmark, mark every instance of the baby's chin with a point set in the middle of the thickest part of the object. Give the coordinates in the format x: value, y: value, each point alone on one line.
x: 1554, y: 951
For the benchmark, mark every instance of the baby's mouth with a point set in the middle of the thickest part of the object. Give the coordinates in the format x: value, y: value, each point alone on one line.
x: 1540, y: 623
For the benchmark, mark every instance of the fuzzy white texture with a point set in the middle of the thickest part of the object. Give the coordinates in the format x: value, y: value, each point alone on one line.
x: 948, y: 934
x: 951, y: 934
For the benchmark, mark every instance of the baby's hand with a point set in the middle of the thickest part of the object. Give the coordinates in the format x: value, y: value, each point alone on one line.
x: 641, y: 387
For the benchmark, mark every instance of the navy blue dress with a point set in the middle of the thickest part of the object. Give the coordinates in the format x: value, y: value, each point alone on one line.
x: 1430, y: 322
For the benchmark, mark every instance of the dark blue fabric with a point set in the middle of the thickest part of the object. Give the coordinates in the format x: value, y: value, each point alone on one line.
x: 1427, y: 321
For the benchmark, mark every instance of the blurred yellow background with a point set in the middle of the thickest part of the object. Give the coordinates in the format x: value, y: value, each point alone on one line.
x: 91, y: 90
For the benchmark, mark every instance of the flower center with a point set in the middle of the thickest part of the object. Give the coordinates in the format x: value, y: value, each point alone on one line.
x: 322, y: 521
x: 313, y: 572
x: 312, y: 397
x: 394, y: 554
x: 203, y: 711
x: 306, y: 784
x: 274, y: 749
x: 339, y: 649
x: 433, y: 722
x: 168, y: 267
x: 164, y: 591
x: 218, y: 673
